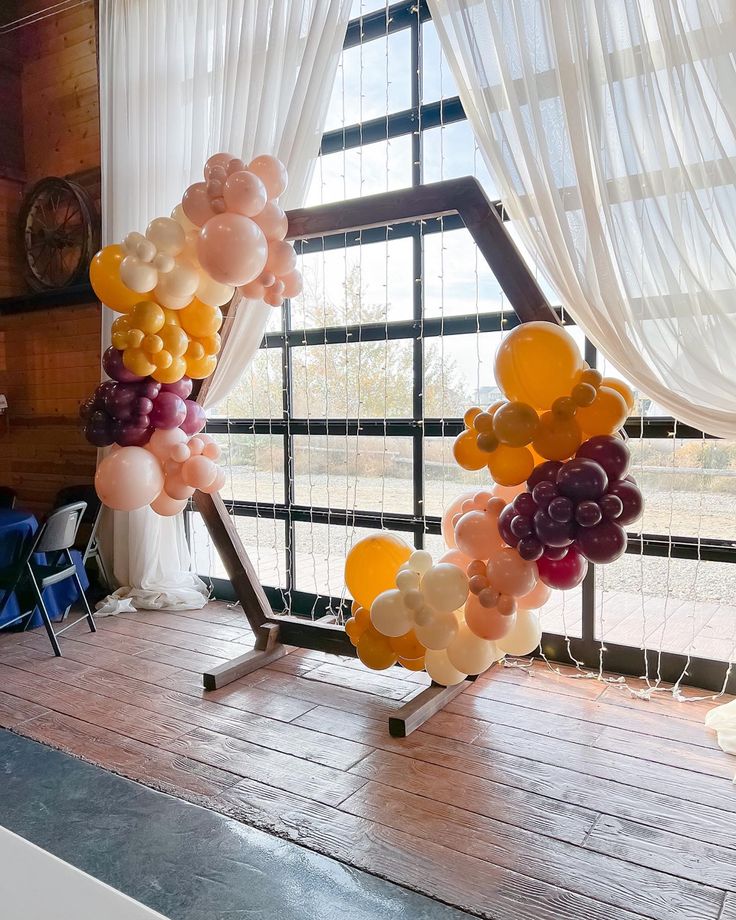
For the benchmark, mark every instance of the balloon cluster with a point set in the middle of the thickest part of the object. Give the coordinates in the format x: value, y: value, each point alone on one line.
x: 554, y: 402
x: 242, y: 233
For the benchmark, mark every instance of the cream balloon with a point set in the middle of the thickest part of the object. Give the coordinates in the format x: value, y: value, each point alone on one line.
x: 525, y: 635
x: 181, y: 218
x: 439, y: 667
x: 212, y: 292
x: 438, y: 632
x: 138, y: 275
x: 508, y: 573
x: 471, y: 654
x: 420, y: 561
x: 166, y: 235
x: 389, y: 615
x: 445, y: 587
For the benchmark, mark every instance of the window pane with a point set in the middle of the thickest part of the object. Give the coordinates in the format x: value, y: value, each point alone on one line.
x: 457, y: 279
x: 259, y: 393
x: 437, y: 79
x: 357, y: 380
x: 263, y: 539
x: 372, y: 79
x: 444, y: 480
x: 364, y: 473
x: 254, y: 467
x: 450, y: 151
x: 320, y: 553
x: 359, y: 284
x: 367, y: 170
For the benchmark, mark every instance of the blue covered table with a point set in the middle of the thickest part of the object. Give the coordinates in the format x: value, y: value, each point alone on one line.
x: 16, y: 527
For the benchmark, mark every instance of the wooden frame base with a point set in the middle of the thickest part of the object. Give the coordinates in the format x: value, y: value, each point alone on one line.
x: 415, y: 713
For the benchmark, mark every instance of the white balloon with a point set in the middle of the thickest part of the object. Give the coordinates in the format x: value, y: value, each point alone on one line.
x: 181, y: 218
x: 445, y: 587
x: 212, y: 292
x: 137, y: 275
x: 131, y: 242
x: 407, y: 581
x: 420, y: 561
x: 145, y: 250
x: 166, y: 235
x: 438, y: 632
x: 471, y: 654
x: 181, y: 281
x: 389, y: 615
x: 163, y: 262
x: 525, y: 635
x: 439, y: 667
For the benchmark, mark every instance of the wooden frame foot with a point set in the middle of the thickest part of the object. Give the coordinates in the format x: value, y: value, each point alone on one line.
x: 416, y: 712
x: 268, y: 649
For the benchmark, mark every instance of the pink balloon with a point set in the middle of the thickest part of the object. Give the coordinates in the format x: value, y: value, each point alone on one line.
x: 128, y: 479
x: 253, y: 291
x: 245, y: 194
x: 281, y: 257
x: 164, y: 441
x: 221, y: 160
x: 175, y: 487
x: 217, y: 483
x: 536, y: 598
x: 196, y: 204
x: 273, y: 221
x: 272, y: 172
x: 232, y: 249
x: 292, y: 282
x: 198, y: 472
x: 477, y: 536
x: 488, y: 623
x: 455, y: 557
x: 167, y: 506
x: 508, y: 493
x: 448, y: 531
x: 195, y: 419
x: 508, y: 573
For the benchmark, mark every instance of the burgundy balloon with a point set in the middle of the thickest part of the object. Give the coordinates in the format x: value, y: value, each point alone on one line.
x: 129, y: 435
x: 143, y: 405
x: 545, y: 471
x: 86, y: 408
x: 563, y: 574
x: 530, y: 549
x: 99, y: 430
x: 544, y: 492
x: 195, y: 418
x: 521, y: 527
x: 112, y: 364
x: 182, y: 388
x: 603, y: 543
x: 610, y: 452
x: 121, y: 401
x: 149, y: 388
x: 611, y: 505
x: 553, y: 533
x: 504, y: 525
x: 561, y: 509
x: 169, y: 411
x: 588, y: 514
x: 631, y: 498
x: 555, y: 552
x: 582, y: 479
x: 100, y: 394
x: 524, y: 504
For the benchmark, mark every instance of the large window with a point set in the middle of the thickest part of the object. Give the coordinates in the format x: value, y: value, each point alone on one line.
x: 345, y: 421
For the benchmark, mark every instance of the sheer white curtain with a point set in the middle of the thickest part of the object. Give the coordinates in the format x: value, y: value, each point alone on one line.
x: 610, y: 128
x: 179, y: 81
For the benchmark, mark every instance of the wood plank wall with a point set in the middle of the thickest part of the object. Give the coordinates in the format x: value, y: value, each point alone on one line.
x: 49, y: 360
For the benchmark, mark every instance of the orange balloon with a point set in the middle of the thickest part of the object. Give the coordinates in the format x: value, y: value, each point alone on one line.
x: 371, y: 566
x: 104, y: 276
x: 374, y: 650
x: 515, y: 423
x: 407, y: 646
x: 200, y: 319
x: 412, y: 664
x: 467, y: 453
x: 173, y: 372
x: 200, y: 368
x: 537, y: 363
x: 558, y: 436
x: 623, y: 388
x: 510, y: 466
x: 605, y: 415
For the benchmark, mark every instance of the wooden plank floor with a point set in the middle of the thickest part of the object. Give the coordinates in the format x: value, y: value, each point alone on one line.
x: 531, y: 795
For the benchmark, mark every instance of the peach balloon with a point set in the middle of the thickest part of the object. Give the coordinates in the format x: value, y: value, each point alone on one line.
x: 129, y: 479
x: 196, y: 446
x: 211, y: 450
x: 180, y: 453
x: 273, y: 221
x: 281, y: 257
x: 245, y: 194
x: 508, y: 573
x: 448, y: 531
x: 272, y: 172
x: 455, y: 557
x: 486, y: 623
x: 221, y: 160
x: 508, y: 493
x: 292, y: 282
x: 196, y: 204
x: 198, y: 472
x: 217, y: 483
x: 175, y: 487
x: 536, y: 598
x: 164, y: 441
x: 476, y: 534
x: 232, y: 249
x: 166, y: 506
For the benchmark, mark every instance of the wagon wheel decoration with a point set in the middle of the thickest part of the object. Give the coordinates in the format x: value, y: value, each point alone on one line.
x: 57, y: 226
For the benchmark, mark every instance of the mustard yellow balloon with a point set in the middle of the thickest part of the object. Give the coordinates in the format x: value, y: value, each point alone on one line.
x: 137, y: 362
x: 147, y: 316
x: 172, y: 373
x: 358, y: 623
x: 174, y: 339
x: 407, y: 646
x: 510, y: 466
x: 537, y: 363
x: 605, y: 415
x: 200, y: 319
x: 120, y: 331
x: 558, y: 436
x: 104, y: 276
x: 466, y: 452
x: 412, y: 664
x: 211, y: 344
x: 374, y: 650
x: 515, y: 424
x: 371, y: 566
x: 200, y: 368
x: 623, y: 389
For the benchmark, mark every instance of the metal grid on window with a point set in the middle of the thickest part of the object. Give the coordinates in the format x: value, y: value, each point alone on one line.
x: 285, y: 512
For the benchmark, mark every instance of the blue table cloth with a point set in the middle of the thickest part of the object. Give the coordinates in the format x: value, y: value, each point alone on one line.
x: 15, y: 528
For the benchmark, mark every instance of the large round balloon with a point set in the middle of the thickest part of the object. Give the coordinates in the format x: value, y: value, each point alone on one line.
x: 537, y: 363
x: 603, y: 543
x: 371, y: 566
x: 610, y: 452
x: 469, y: 653
x: 104, y: 276
x: 232, y: 249
x: 631, y: 498
x: 524, y: 637
x: 129, y: 478
x: 390, y: 616
x: 440, y: 668
x: 375, y: 651
x: 565, y: 573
